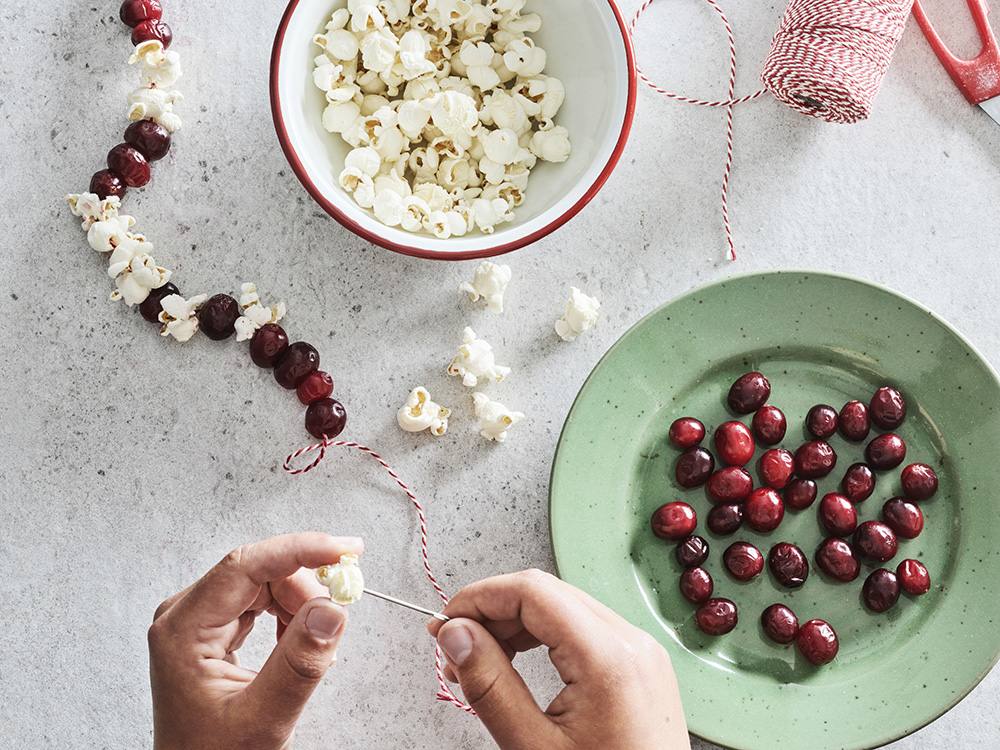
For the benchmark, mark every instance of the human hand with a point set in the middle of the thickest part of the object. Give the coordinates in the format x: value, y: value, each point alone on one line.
x: 620, y: 694
x: 202, y: 698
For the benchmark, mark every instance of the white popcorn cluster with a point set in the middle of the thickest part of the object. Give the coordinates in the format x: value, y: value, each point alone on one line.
x: 580, y: 315
x: 179, y: 316
x: 494, y: 418
x: 155, y: 97
x: 255, y: 315
x: 489, y: 284
x: 344, y: 579
x: 445, y: 105
x: 420, y: 413
x: 475, y: 361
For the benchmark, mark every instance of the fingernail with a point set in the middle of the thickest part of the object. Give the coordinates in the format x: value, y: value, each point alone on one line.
x: 456, y: 640
x: 325, y: 620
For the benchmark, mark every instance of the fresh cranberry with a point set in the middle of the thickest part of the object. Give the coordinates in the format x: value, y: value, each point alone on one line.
x: 126, y: 161
x: 821, y: 421
x: 149, y: 138
x: 776, y: 467
x: 692, y: 551
x: 815, y: 459
x: 764, y: 509
x: 838, y: 514
x: 836, y: 558
x: 734, y: 443
x: 150, y: 308
x: 694, y: 467
x: 854, y: 421
x: 152, y: 29
x: 730, y: 484
x: 134, y: 12
x: 881, y: 590
x: 725, y: 518
x: 299, y: 361
x: 903, y: 517
x: 716, y: 616
x: 886, y: 451
x: 268, y: 344
x: 686, y: 432
x: 780, y: 623
x: 913, y: 577
x: 326, y: 418
x: 217, y: 317
x: 788, y: 564
x: 749, y: 393
x: 919, y: 481
x: 817, y: 641
x: 888, y: 408
x: 858, y: 483
x: 313, y: 388
x: 743, y: 560
x: 800, y: 493
x: 875, y: 541
x: 696, y: 585
x: 769, y: 425
x: 106, y: 183
x: 674, y: 521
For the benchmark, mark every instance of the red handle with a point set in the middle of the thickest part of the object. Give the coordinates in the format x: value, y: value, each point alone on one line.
x: 978, y: 78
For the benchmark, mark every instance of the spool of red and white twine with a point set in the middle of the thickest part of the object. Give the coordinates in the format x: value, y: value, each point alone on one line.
x: 827, y: 60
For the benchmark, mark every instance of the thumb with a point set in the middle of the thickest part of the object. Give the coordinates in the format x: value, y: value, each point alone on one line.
x: 494, y: 688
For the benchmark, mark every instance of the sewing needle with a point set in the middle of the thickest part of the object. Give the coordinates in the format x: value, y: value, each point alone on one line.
x: 414, y: 607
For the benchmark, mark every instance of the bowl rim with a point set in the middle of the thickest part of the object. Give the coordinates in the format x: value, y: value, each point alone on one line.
x: 344, y: 220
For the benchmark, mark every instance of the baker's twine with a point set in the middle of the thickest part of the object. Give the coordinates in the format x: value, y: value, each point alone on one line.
x: 827, y: 60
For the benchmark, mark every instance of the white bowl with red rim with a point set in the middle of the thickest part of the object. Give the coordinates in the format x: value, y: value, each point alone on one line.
x: 588, y: 48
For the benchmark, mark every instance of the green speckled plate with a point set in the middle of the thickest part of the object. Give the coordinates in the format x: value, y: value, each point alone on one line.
x: 821, y: 339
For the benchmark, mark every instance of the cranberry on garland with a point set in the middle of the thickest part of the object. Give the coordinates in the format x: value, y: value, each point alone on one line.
x: 134, y: 12
x: 149, y: 138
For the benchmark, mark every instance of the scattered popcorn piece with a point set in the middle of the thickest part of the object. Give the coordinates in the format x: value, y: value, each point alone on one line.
x: 489, y: 284
x: 344, y: 579
x: 255, y: 315
x: 420, y: 413
x: 179, y: 316
x: 580, y: 315
x: 494, y: 418
x: 475, y: 361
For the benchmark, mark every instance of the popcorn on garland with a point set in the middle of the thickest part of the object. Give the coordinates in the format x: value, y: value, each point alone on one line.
x: 179, y: 316
x: 489, y: 284
x: 155, y: 99
x: 344, y: 580
x: 255, y: 315
x: 495, y: 419
x: 420, y: 413
x: 475, y: 361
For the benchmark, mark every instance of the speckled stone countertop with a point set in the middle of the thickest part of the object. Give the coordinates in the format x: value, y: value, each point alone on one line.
x: 131, y: 464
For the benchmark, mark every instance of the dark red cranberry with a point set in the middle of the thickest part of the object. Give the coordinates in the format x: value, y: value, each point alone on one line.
x: 725, y: 518
x: 836, y: 558
x: 326, y: 418
x: 696, y: 585
x: 150, y: 308
x: 837, y: 514
x: 149, y: 138
x: 881, y: 590
x: 268, y: 344
x: 769, y: 425
x: 152, y: 29
x: 815, y: 459
x: 730, y: 484
x: 693, y: 468
x: 903, y: 517
x: 779, y: 623
x: 858, y: 483
x: 821, y: 421
x: 316, y: 386
x: 106, y: 183
x: 716, y: 616
x: 888, y: 408
x: 800, y: 494
x: 854, y: 421
x: 875, y: 541
x: 734, y: 443
x: 764, y: 509
x: 749, y: 393
x: 776, y: 468
x: 299, y: 361
x: 217, y: 317
x: 817, y: 642
x: 886, y: 451
x: 919, y: 481
x: 692, y: 552
x: 788, y: 564
x: 686, y: 432
x: 913, y: 577
x: 134, y: 12
x: 126, y: 161
x: 743, y: 560
x: 674, y: 521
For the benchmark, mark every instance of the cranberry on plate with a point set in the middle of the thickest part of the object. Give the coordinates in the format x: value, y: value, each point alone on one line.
x: 854, y: 421
x: 875, y: 541
x: 886, y: 451
x: 903, y: 517
x: 674, y: 521
x: 743, y: 560
x: 725, y: 518
x: 919, y: 481
x: 858, y: 483
x: 696, y: 585
x: 800, y: 494
x: 776, y: 468
x: 693, y: 468
x: 815, y: 459
x: 716, y: 616
x: 769, y: 425
x: 731, y: 484
x: 734, y: 443
x: 764, y: 509
x: 821, y: 421
x: 749, y: 393
x: 692, y: 551
x: 913, y: 577
x: 881, y: 590
x: 788, y: 564
x: 817, y: 642
x: 837, y: 514
x: 686, y: 432
x: 779, y: 623
x: 888, y: 408
x: 836, y: 558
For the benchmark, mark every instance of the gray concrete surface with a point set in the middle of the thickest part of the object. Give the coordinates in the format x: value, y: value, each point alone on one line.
x: 131, y: 464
